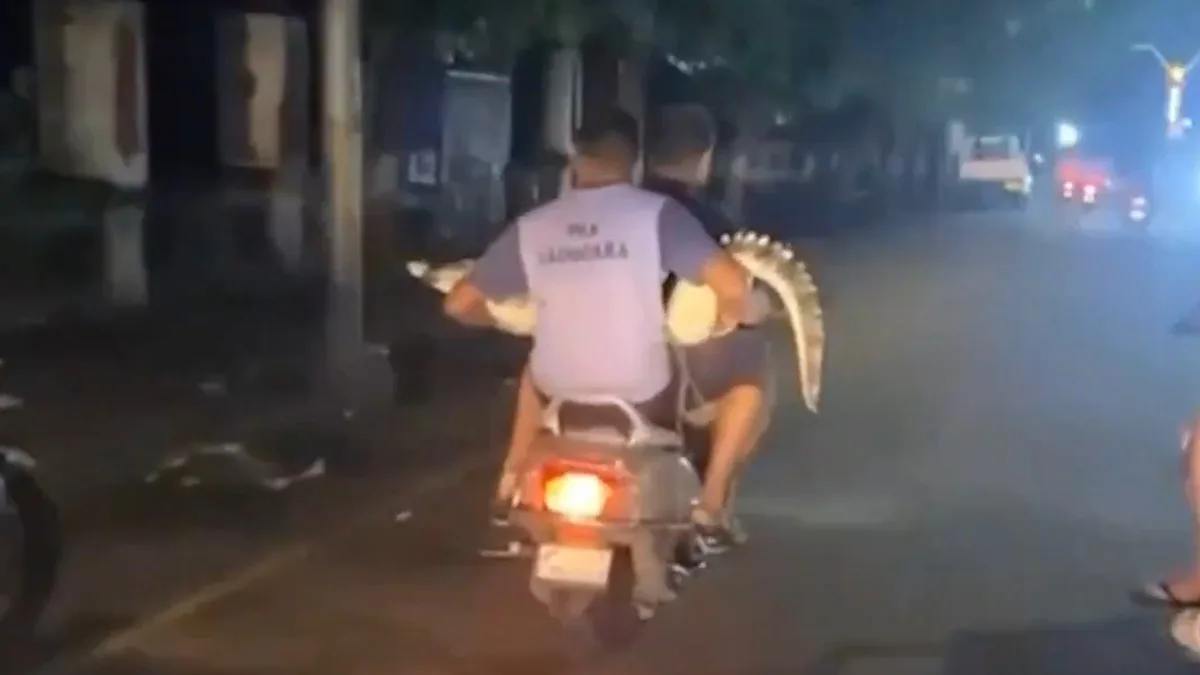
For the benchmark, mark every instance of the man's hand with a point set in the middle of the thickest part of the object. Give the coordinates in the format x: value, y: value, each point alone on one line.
x: 466, y: 304
x: 499, y: 273
x: 731, y: 284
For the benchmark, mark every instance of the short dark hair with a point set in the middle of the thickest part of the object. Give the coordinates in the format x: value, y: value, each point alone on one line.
x: 607, y: 134
x: 681, y: 132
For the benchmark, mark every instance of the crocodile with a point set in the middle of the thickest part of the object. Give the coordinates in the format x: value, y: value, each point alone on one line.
x: 692, y: 308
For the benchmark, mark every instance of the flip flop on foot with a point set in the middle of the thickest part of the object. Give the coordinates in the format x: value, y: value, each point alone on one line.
x: 712, y: 536
x: 1160, y: 594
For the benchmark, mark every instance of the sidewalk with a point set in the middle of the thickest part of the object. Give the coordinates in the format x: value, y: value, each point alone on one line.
x: 107, y: 402
x: 141, y: 550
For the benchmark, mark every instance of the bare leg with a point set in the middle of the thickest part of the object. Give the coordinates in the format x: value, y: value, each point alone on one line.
x: 735, y: 432
x: 1186, y: 586
x: 732, y: 522
x: 527, y: 420
x: 499, y: 541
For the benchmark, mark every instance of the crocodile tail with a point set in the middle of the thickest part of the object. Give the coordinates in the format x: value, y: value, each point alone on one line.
x: 776, y: 265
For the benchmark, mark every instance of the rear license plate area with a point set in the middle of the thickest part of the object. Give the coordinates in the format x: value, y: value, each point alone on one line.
x: 573, y: 565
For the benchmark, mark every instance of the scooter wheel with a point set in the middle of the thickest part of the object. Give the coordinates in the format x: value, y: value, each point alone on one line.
x: 613, y: 626
x: 599, y: 623
x: 583, y: 628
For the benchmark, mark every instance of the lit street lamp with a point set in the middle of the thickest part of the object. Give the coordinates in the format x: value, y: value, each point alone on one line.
x: 1176, y: 73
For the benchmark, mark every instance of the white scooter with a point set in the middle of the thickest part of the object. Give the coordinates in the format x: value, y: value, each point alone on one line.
x: 609, y: 510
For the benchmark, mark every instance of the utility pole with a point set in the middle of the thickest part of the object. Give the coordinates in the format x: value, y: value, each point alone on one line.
x: 563, y: 104
x: 342, y: 127
x: 1176, y: 73
x: 634, y: 70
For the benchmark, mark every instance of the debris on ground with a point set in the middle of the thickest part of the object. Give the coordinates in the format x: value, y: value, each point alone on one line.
x: 230, y: 464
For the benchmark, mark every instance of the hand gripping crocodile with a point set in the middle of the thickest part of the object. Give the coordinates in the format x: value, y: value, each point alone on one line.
x: 692, y: 308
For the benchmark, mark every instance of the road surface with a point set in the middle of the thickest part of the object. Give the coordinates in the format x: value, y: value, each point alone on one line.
x: 993, y: 469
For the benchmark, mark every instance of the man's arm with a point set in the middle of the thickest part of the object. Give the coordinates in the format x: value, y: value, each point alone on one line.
x: 498, y: 274
x: 688, y: 251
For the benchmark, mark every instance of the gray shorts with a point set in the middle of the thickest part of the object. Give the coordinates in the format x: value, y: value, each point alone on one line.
x: 719, y: 365
x: 715, y: 367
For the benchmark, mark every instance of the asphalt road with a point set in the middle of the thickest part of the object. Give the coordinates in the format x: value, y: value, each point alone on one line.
x: 994, y: 468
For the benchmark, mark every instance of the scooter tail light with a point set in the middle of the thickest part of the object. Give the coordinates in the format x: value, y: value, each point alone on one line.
x: 576, y: 495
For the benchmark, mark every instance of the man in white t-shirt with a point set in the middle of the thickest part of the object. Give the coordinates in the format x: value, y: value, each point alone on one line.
x: 595, y: 260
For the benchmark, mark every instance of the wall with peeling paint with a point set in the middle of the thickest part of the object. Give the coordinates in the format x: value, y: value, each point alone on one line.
x: 92, y: 91
x: 262, y: 86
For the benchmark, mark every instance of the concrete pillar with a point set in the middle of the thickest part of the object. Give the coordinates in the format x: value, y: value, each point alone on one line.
x: 632, y: 73
x: 563, y: 104
x: 631, y: 95
x: 286, y: 203
x: 285, y: 216
x: 126, y: 282
x: 342, y: 109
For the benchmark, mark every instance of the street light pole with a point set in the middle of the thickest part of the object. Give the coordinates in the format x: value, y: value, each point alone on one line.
x: 1153, y: 51
x: 342, y: 131
x: 1176, y: 79
x: 1192, y: 62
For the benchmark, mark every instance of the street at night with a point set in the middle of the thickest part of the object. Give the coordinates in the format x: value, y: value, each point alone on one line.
x: 995, y: 467
x: 248, y: 426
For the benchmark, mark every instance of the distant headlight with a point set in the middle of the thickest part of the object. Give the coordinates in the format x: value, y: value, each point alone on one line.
x: 1067, y: 136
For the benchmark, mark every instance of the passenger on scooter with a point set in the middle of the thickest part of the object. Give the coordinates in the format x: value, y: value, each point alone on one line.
x: 680, y: 143
x: 728, y: 369
x: 594, y: 260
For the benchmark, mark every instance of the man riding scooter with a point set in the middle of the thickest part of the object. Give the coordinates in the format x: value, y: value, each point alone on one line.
x: 595, y: 260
